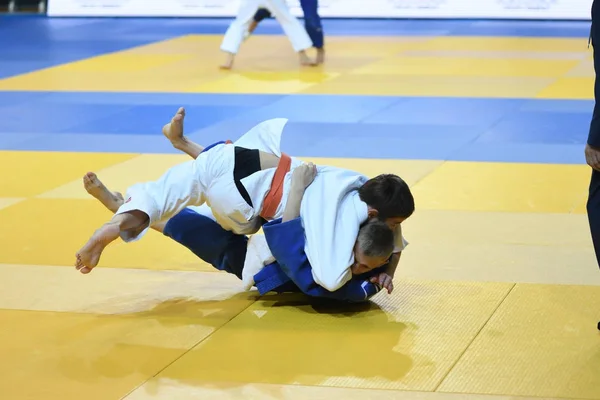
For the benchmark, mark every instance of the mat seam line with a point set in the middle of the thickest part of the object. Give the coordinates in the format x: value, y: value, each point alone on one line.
x: 188, y: 350
x: 583, y: 199
x: 474, y: 338
x: 492, y: 126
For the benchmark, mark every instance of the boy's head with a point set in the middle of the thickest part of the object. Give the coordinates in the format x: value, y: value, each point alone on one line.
x: 374, y: 246
x: 389, y: 199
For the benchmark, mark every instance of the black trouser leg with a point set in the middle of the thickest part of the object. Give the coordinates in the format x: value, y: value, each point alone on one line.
x: 593, y: 204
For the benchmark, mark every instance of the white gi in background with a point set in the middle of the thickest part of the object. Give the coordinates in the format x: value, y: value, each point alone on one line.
x: 331, y: 209
x: 290, y: 24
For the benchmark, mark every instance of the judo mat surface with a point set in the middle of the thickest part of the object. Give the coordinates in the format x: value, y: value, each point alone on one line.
x: 496, y: 297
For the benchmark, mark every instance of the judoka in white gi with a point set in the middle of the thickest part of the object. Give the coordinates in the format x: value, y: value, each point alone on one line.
x: 251, y: 259
x: 239, y: 27
x: 333, y: 208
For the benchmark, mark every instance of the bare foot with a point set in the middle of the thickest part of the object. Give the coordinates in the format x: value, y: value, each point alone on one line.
x: 305, y: 59
x: 320, y: 56
x: 89, y: 255
x: 95, y: 187
x: 174, y: 129
x: 228, y: 61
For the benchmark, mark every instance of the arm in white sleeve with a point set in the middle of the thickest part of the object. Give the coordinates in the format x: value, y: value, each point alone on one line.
x: 399, y: 242
x: 332, y: 213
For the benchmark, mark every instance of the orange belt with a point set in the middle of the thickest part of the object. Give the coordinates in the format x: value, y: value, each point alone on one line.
x: 275, y: 193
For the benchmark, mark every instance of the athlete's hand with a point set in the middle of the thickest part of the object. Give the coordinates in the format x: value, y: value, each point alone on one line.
x: 384, y: 280
x: 592, y: 157
x: 304, y: 175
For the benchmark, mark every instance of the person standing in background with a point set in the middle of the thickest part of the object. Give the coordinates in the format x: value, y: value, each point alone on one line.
x: 312, y: 23
x: 592, y: 148
x: 291, y: 26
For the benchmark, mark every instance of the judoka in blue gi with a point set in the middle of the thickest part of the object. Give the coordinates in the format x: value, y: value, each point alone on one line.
x: 290, y: 270
x: 312, y: 23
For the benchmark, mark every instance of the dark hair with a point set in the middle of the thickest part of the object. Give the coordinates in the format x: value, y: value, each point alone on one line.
x: 389, y: 195
x: 376, y: 239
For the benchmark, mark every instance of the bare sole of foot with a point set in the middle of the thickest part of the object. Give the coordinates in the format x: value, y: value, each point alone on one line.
x: 228, y: 62
x: 95, y: 187
x: 88, y: 257
x: 174, y: 129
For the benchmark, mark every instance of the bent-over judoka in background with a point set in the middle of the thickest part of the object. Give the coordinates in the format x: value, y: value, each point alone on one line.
x: 291, y: 26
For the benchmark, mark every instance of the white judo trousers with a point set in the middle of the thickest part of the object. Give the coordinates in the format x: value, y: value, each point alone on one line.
x: 290, y: 25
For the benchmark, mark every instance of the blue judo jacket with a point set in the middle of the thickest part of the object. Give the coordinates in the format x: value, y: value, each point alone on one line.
x: 293, y: 272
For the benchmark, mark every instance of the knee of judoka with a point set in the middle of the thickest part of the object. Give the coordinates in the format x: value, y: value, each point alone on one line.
x: 388, y: 198
x: 373, y: 248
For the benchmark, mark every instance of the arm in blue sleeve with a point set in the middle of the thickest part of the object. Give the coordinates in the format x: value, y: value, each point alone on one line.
x: 286, y: 241
x: 358, y: 290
